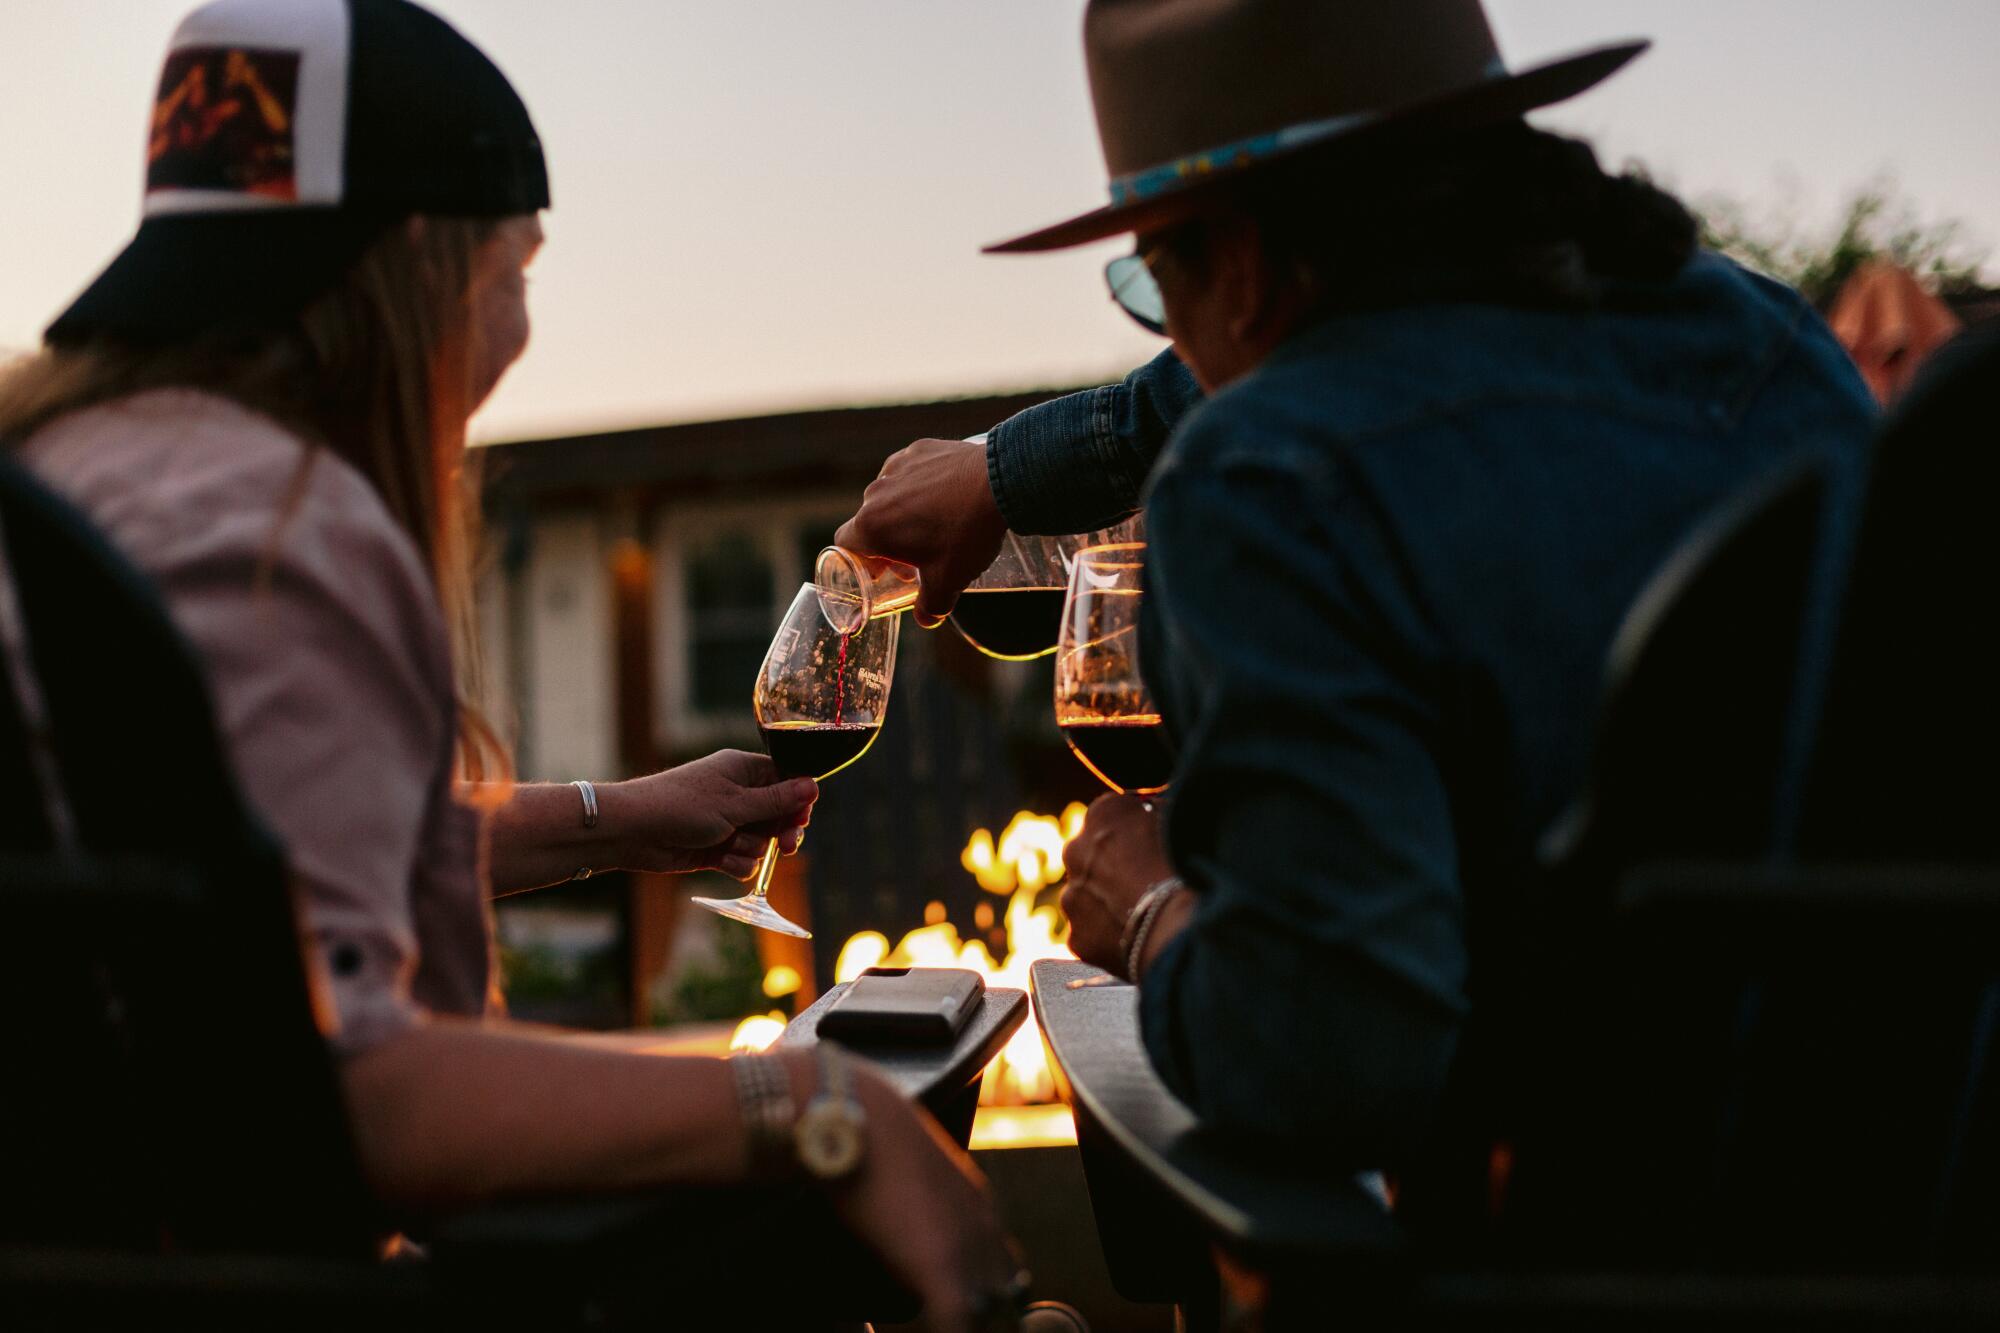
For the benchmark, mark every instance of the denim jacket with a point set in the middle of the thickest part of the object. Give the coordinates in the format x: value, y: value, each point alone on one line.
x: 1383, y: 576
x: 1078, y: 463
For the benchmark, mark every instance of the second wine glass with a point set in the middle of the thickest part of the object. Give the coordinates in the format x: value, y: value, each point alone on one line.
x: 820, y: 700
x: 1013, y: 611
x: 1103, y: 707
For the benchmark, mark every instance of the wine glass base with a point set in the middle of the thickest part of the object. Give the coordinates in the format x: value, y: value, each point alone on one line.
x: 753, y: 910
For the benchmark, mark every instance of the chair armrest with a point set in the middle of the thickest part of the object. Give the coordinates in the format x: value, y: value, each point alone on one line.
x: 1259, y: 1205
x: 81, y: 1288
x: 547, y: 1224
x: 933, y: 1075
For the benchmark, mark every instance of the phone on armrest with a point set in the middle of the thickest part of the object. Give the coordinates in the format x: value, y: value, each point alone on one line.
x: 917, y: 1006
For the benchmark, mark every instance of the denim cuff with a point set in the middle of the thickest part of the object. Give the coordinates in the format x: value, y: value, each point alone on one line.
x: 1079, y: 463
x: 1055, y: 469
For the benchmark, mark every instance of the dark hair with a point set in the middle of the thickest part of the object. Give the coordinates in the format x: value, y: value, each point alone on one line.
x: 1506, y: 215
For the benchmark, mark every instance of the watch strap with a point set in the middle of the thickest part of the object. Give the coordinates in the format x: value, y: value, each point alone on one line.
x: 764, y: 1091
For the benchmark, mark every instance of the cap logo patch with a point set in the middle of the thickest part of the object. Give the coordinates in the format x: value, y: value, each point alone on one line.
x: 224, y: 121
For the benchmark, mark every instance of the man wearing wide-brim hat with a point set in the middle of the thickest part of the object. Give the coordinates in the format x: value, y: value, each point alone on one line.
x: 1465, y: 392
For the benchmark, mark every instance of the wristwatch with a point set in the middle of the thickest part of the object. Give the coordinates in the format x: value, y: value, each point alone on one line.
x: 832, y: 1134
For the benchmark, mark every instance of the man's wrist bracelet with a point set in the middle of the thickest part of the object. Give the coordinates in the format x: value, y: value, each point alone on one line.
x: 1139, y: 925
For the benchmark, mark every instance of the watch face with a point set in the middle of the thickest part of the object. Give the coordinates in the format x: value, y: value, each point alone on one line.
x: 830, y: 1139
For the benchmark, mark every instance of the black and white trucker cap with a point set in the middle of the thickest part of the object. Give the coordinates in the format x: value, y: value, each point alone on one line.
x: 286, y: 136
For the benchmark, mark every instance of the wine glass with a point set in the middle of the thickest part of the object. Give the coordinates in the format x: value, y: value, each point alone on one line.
x: 820, y: 699
x: 1103, y: 707
x: 1013, y: 611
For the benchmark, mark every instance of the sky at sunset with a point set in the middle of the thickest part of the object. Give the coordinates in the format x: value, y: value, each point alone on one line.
x: 772, y: 203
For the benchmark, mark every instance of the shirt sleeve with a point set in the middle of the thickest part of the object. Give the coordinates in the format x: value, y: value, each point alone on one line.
x: 324, y: 650
x: 1079, y: 463
x: 1317, y: 991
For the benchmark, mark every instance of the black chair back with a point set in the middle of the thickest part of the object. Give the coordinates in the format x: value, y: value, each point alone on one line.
x: 1783, y: 1059
x: 168, y: 1084
x: 1904, y: 765
x: 1704, y: 666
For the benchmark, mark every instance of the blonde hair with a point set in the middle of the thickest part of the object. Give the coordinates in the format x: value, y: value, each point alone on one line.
x: 378, y: 371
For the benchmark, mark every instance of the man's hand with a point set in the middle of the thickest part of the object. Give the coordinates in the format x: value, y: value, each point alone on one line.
x: 1113, y: 861
x: 931, y: 507
x: 715, y: 813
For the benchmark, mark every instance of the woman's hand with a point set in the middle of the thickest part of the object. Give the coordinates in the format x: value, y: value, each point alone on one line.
x: 716, y: 813
x: 919, y: 1202
x: 1109, y: 865
x: 931, y: 507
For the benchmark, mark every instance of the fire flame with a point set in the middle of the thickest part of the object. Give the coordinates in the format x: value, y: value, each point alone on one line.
x: 1025, y: 859
x: 1029, y: 854
x: 757, y: 1031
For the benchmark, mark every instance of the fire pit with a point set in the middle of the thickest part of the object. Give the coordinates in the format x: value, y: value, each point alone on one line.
x: 1017, y: 1100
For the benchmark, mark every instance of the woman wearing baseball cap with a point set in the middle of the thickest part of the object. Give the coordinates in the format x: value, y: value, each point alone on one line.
x: 262, y: 401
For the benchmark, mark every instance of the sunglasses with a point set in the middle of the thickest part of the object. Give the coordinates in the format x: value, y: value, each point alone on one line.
x: 1130, y: 278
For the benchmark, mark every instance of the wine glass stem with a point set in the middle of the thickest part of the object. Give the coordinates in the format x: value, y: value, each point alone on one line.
x: 770, y: 863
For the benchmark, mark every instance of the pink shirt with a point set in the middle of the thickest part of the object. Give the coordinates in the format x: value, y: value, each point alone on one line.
x: 320, y: 629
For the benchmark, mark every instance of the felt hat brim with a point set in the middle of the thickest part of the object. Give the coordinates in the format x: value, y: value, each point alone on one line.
x: 1485, y: 103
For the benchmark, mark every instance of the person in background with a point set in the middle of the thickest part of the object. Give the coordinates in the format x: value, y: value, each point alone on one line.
x: 263, y: 403
x: 1890, y: 325
x: 1460, y: 393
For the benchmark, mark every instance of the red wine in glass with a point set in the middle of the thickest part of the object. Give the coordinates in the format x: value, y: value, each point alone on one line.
x: 817, y: 750
x: 1128, y: 754
x: 1014, y: 624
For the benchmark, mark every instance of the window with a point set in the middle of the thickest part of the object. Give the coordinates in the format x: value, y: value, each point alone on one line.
x: 730, y: 602
x: 727, y: 575
x: 812, y: 539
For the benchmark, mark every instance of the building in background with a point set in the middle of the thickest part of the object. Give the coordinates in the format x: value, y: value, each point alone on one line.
x: 635, y: 579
